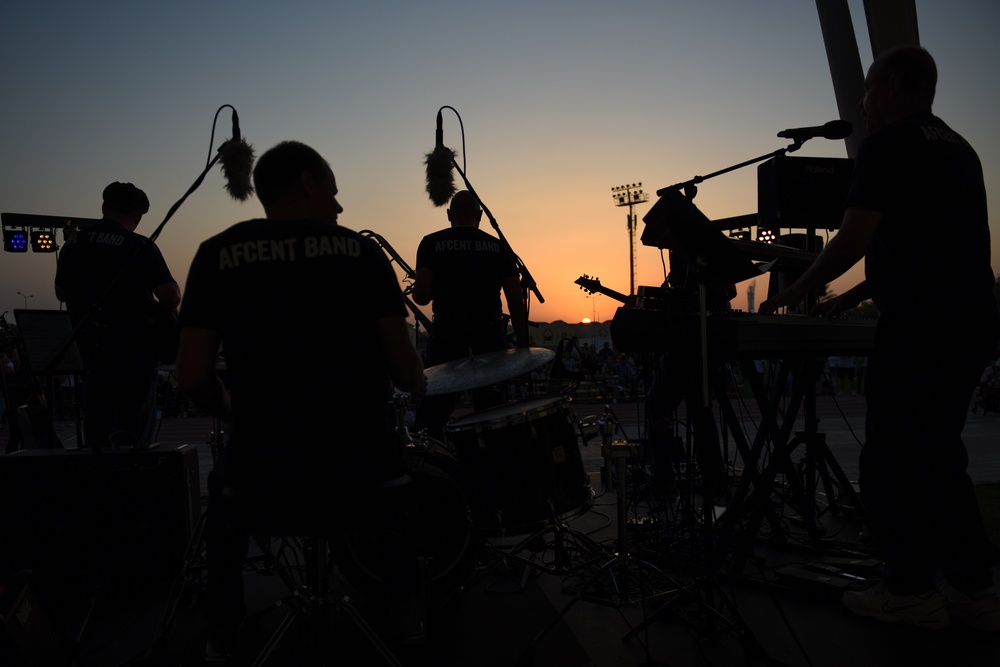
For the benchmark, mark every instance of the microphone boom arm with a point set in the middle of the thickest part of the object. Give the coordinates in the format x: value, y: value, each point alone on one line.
x: 795, y: 145
x: 418, y: 314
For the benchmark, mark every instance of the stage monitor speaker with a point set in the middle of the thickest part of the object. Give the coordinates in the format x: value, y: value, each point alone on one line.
x: 84, y: 521
x: 802, y: 192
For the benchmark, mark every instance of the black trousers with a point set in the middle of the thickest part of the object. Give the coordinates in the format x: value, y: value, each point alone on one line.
x: 119, y: 404
x: 922, y: 509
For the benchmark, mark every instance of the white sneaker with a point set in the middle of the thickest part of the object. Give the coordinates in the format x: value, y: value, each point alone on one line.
x: 925, y: 610
x: 978, y: 609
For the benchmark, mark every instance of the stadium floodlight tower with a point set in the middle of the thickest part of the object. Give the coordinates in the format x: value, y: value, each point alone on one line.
x: 630, y: 195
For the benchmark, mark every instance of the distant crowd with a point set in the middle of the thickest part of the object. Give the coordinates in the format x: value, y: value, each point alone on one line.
x: 617, y: 373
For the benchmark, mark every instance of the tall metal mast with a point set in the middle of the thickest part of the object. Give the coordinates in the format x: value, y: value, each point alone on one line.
x: 630, y: 195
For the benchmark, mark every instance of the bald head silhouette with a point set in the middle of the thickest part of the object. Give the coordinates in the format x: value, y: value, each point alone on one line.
x: 464, y: 210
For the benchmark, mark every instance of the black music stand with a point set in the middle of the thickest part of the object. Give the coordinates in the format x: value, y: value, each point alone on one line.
x: 50, y: 348
x: 675, y: 222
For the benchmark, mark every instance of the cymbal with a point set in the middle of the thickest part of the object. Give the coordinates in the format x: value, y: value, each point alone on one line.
x: 482, y: 370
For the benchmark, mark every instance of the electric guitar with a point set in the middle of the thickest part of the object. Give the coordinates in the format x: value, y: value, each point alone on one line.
x: 594, y: 286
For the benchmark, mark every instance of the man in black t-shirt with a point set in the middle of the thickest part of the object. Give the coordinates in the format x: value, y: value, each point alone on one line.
x: 462, y: 269
x: 122, y: 298
x: 917, y: 204
x: 311, y: 427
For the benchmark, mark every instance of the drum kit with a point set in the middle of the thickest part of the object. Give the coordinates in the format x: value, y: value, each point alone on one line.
x: 511, y: 470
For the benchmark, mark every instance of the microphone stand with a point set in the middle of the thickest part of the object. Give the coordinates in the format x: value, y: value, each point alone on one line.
x: 715, y: 263
x: 527, y: 282
x: 690, y: 187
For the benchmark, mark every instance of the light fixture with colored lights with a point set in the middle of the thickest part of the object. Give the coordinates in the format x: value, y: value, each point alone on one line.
x: 15, y: 240
x: 43, y: 240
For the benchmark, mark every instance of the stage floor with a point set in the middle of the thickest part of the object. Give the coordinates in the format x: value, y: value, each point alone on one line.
x: 665, y: 603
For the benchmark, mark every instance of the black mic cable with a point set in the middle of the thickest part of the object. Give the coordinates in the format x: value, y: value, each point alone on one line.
x: 237, y: 158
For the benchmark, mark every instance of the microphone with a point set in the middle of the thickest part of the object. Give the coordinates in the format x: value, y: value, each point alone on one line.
x: 236, y: 157
x: 835, y: 129
x: 439, y: 134
x: 439, y: 164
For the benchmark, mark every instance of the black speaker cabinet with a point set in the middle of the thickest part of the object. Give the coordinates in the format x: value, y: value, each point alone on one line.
x: 84, y: 521
x: 802, y: 192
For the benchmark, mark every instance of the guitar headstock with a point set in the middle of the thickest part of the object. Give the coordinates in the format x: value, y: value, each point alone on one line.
x: 588, y: 284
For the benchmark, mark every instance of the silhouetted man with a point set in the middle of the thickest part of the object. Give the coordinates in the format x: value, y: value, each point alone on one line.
x: 313, y: 434
x: 123, y: 301
x: 916, y: 201
x: 462, y: 269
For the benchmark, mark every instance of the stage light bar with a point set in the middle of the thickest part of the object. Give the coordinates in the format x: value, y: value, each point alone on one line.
x: 43, y: 240
x: 15, y: 240
x: 22, y: 230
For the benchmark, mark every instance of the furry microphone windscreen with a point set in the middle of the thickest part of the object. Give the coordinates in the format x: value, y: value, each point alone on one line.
x: 237, y: 166
x: 440, y: 179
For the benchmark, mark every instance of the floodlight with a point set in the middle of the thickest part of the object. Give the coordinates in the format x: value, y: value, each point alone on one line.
x: 43, y: 240
x: 15, y: 240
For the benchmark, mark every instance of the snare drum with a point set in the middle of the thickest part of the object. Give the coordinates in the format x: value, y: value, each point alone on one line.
x: 521, y: 466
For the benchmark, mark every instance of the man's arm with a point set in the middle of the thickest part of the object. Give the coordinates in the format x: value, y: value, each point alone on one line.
x: 169, y: 295
x: 196, y: 375
x: 516, y: 309
x: 400, y: 357
x: 423, y: 284
x: 843, y: 251
x: 849, y: 299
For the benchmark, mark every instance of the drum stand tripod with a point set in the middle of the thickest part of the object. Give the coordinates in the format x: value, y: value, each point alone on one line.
x: 628, y: 586
x: 565, y: 541
x: 624, y: 568
x: 618, y: 453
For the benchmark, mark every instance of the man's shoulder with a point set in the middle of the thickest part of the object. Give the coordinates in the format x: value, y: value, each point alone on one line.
x: 238, y: 229
x: 440, y: 233
x: 256, y: 226
x: 913, y: 129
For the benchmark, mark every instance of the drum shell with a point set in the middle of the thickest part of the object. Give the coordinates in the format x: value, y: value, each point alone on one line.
x: 446, y: 542
x: 521, y: 466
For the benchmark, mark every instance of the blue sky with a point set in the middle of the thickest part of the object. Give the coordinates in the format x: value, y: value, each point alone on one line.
x: 560, y: 101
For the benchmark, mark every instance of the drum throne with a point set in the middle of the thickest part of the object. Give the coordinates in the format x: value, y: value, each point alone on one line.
x: 302, y: 562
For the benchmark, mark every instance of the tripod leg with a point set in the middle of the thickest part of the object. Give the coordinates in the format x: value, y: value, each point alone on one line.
x: 345, y: 605
x: 562, y: 563
x: 275, y: 639
x: 181, y: 582
x: 846, y: 488
x: 316, y: 600
x: 529, y: 650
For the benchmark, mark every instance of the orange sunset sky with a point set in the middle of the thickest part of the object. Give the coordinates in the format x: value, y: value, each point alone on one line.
x: 559, y: 102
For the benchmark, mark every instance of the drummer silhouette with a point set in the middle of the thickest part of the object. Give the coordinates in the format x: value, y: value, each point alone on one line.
x: 462, y: 270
